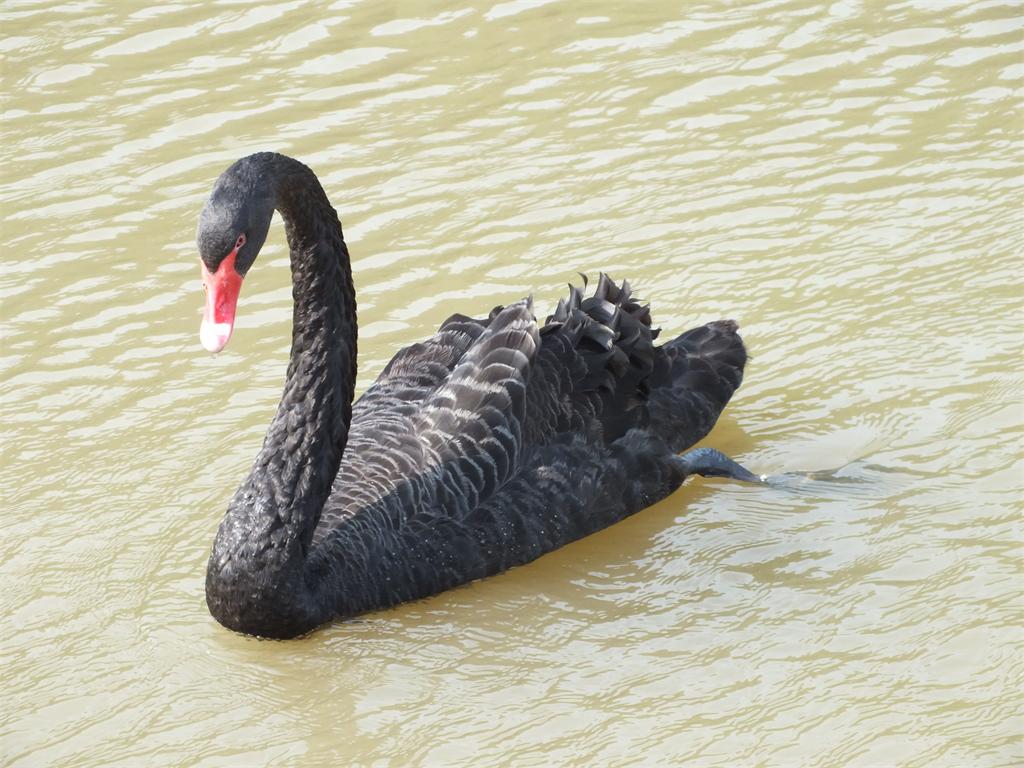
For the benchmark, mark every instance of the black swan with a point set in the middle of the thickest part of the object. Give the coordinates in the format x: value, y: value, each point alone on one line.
x: 485, y: 446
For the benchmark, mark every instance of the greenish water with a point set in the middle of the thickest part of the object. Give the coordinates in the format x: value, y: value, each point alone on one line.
x: 842, y: 178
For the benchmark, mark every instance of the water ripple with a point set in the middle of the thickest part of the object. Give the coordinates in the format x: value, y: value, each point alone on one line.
x: 844, y: 181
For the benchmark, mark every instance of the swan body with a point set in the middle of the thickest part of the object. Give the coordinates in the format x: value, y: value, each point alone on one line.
x: 492, y: 442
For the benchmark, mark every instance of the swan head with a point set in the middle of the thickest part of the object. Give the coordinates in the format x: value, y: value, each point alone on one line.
x: 232, y: 228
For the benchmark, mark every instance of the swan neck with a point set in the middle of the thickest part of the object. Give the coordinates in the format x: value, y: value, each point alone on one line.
x: 256, y: 582
x: 308, y: 435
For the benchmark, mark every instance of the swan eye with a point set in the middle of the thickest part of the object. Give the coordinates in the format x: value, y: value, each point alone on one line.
x: 240, y: 241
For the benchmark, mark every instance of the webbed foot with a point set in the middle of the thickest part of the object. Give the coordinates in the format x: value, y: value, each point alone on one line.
x: 709, y: 462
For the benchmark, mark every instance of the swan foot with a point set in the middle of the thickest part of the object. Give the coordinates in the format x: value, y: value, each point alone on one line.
x: 708, y: 462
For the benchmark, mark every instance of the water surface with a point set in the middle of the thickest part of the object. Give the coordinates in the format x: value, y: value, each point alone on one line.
x: 842, y: 178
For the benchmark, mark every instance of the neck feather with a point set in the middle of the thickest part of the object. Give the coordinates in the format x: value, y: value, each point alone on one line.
x: 256, y: 573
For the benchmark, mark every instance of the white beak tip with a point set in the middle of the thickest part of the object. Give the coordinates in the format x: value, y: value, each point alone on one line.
x: 214, y: 336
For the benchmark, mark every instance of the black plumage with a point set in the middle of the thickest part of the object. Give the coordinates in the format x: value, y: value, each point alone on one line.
x: 492, y: 442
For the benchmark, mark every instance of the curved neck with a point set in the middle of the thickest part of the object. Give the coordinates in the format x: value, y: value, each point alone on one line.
x: 255, y: 582
x: 303, y: 447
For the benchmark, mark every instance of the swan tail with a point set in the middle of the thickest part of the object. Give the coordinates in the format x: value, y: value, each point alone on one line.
x: 701, y: 369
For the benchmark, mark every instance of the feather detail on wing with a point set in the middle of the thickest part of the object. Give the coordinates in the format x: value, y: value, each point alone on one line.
x: 443, y: 422
x: 596, y: 357
x: 471, y: 426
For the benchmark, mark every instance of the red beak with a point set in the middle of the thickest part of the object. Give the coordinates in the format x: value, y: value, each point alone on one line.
x: 222, y: 289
